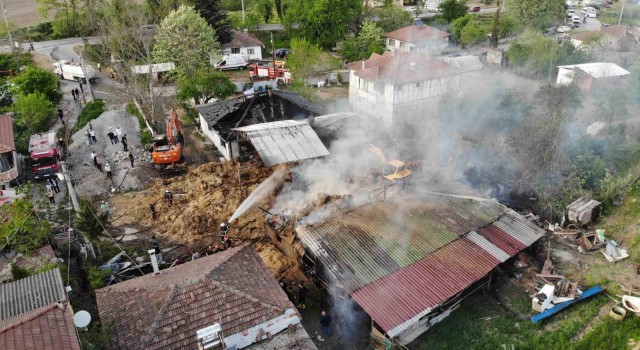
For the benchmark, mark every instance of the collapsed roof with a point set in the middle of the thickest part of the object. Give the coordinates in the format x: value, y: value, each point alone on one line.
x: 258, y: 108
x: 401, y: 259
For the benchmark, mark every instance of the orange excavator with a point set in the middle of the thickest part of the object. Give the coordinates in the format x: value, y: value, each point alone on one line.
x: 167, y: 148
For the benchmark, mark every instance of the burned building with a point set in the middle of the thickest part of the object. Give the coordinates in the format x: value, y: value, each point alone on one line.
x: 408, y: 261
x: 274, y: 125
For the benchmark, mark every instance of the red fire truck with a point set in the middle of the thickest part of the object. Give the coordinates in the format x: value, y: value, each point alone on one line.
x: 44, y: 154
x: 267, y: 70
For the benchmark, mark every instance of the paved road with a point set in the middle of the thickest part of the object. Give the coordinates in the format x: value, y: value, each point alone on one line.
x: 61, y: 49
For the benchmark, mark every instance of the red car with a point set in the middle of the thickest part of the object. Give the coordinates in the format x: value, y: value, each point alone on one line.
x: 474, y: 9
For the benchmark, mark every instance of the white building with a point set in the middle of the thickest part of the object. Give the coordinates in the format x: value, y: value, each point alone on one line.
x: 417, y: 37
x: 8, y: 156
x: 244, y: 43
x: 588, y: 75
x: 400, y: 86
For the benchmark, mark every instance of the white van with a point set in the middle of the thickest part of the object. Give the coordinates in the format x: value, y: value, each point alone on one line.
x: 233, y: 61
x: 432, y: 7
x: 592, y: 12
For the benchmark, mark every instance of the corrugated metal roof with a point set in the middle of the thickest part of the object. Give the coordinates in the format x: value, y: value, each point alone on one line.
x: 284, y: 141
x: 6, y: 134
x: 401, y: 258
x: 488, y: 246
x: 155, y: 68
x: 398, y: 300
x: 31, y: 293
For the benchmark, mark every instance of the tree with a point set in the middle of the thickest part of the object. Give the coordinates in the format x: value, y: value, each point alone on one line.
x: 38, y: 80
x: 265, y: 9
x: 537, y: 13
x: 507, y: 25
x: 369, y: 40
x: 534, y: 52
x: 216, y: 16
x: 393, y: 17
x: 303, y: 58
x: 88, y: 222
x: 204, y: 86
x: 128, y: 30
x: 458, y: 25
x: 471, y: 34
x: 21, y: 228
x: 495, y: 31
x: 452, y: 9
x: 33, y: 114
x: 323, y: 21
x: 186, y: 39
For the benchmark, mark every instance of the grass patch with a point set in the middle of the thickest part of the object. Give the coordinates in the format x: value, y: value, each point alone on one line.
x: 133, y: 110
x: 13, y: 62
x: 90, y: 112
x: 630, y: 16
x: 146, y: 137
x: 480, y: 323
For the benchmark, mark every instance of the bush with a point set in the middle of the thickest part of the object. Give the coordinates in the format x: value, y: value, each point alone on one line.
x: 86, y: 220
x: 146, y: 137
x: 14, y: 62
x: 18, y: 273
x: 133, y: 110
x: 300, y: 88
x: 97, y: 277
x: 90, y: 112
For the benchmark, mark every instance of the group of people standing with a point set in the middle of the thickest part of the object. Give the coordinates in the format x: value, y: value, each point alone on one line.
x: 51, y: 188
x: 76, y: 93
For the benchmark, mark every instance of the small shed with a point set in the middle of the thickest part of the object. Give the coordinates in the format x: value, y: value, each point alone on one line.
x: 157, y: 69
x: 582, y: 211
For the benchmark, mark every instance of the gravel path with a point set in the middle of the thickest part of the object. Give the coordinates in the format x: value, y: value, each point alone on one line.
x: 89, y: 180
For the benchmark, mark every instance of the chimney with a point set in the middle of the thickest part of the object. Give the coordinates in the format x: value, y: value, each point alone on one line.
x: 154, y: 261
x: 412, y: 65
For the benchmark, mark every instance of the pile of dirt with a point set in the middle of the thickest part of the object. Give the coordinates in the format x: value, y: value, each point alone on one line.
x: 204, y: 198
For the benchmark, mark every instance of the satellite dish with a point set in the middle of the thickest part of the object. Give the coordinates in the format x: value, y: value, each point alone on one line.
x: 81, y: 319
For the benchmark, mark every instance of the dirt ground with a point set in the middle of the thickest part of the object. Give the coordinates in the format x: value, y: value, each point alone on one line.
x: 22, y: 13
x: 204, y: 198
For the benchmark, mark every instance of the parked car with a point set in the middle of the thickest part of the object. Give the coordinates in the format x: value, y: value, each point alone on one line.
x: 474, y: 9
x: 233, y: 61
x: 571, y: 13
x: 281, y: 53
x: 563, y: 29
x: 576, y: 20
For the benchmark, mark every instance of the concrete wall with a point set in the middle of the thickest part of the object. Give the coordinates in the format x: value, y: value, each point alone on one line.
x: 432, y: 46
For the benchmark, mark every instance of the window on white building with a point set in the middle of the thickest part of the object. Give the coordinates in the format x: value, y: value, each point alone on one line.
x: 403, y: 45
x: 251, y: 51
x: 418, y: 85
x: 235, y: 50
x: 412, y: 48
x: 392, y: 43
x: 379, y: 88
x: 399, y: 88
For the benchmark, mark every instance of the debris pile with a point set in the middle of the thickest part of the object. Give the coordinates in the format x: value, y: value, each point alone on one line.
x: 123, y: 157
x: 204, y: 198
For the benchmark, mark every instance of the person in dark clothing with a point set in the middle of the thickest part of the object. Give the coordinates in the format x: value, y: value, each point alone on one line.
x: 53, y: 185
x: 99, y: 163
x: 168, y: 196
x: 302, y: 297
x: 77, y: 92
x: 73, y: 93
x: 131, y: 158
x: 124, y: 141
x: 61, y: 116
x: 110, y: 135
x: 325, y: 322
x: 81, y: 88
x: 154, y: 242
x: 63, y: 145
x: 154, y: 215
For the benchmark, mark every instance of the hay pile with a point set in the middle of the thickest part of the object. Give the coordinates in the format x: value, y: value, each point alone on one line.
x: 203, y: 198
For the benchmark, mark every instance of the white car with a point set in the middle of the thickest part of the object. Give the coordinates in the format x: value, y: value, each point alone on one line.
x: 563, y: 29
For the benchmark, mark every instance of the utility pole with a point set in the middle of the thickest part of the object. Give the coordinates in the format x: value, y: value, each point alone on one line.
x: 273, y: 55
x: 84, y: 71
x: 66, y: 176
x: 619, y: 18
x: 6, y: 22
x: 242, y: 11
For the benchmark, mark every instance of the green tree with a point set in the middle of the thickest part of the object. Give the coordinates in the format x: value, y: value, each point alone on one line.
x: 213, y: 12
x: 534, y: 52
x: 537, y: 13
x: 323, y: 21
x: 393, y: 17
x: 204, y: 86
x: 303, y: 58
x: 369, y: 40
x: 67, y: 16
x: 20, y: 228
x: 38, y: 80
x: 33, y: 112
x: 186, y: 39
x: 265, y: 9
x: 459, y: 24
x: 89, y: 219
x: 495, y: 29
x: 452, y: 9
x: 471, y: 34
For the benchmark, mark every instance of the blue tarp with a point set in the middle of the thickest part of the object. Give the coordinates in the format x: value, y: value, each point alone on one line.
x: 559, y: 307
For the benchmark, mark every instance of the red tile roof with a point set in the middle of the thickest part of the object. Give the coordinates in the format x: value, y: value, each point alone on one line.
x: 164, y: 311
x: 50, y: 328
x: 426, y: 283
x: 617, y: 31
x: 402, y: 68
x: 6, y: 134
x: 416, y: 34
x: 240, y: 39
